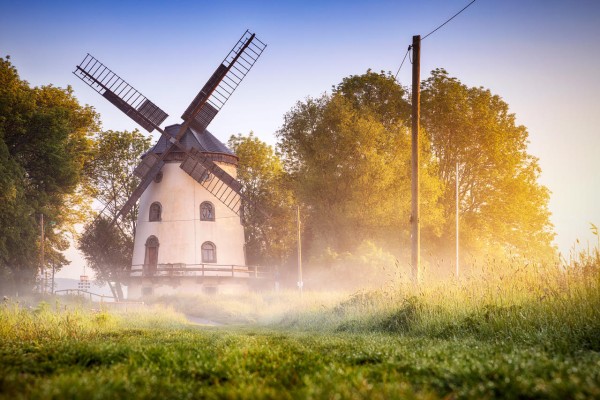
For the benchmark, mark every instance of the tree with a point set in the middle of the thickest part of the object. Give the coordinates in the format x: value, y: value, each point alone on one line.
x: 502, y: 206
x: 377, y: 94
x: 270, y: 235
x: 380, y: 96
x: 349, y: 156
x: 108, y: 249
x: 44, y: 143
x: 115, y: 155
x: 108, y: 252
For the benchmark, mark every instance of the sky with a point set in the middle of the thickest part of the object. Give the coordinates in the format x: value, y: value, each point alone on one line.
x: 541, y: 57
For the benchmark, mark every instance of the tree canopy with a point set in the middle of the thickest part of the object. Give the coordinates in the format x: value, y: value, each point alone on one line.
x: 270, y: 231
x: 108, y: 249
x: 114, y: 156
x: 44, y: 143
x: 502, y: 208
x: 348, y: 156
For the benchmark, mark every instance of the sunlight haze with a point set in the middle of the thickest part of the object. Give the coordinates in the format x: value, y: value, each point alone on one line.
x: 541, y: 57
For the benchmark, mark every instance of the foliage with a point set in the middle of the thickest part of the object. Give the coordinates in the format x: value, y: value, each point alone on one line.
x: 44, y: 144
x: 108, y: 249
x: 348, y: 154
x: 377, y: 94
x: 270, y: 237
x: 108, y: 252
x: 503, y: 209
x: 115, y: 154
x: 350, y: 161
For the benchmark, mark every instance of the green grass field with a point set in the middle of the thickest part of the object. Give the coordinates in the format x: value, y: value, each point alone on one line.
x: 524, y: 333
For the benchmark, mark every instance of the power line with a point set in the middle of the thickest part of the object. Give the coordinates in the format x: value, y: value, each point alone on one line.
x: 402, y: 63
x: 424, y: 37
x: 449, y: 19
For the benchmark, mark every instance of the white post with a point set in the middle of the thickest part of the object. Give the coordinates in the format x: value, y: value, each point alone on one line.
x: 43, y: 262
x: 456, y: 178
x: 300, y: 283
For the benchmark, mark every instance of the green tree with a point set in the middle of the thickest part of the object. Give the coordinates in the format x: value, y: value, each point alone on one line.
x: 377, y: 94
x: 114, y: 156
x: 349, y: 156
x: 108, y: 252
x: 503, y: 209
x: 44, y: 143
x: 381, y: 97
x: 270, y: 234
x: 111, y: 182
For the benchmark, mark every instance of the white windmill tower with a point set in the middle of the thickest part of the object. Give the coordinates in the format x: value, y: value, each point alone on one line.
x: 189, y: 235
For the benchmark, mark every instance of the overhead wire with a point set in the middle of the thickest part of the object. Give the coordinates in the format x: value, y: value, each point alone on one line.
x: 402, y: 63
x: 429, y: 34
x: 448, y: 20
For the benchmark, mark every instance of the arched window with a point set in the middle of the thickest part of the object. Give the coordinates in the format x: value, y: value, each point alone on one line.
x: 155, y: 212
x: 151, y: 257
x: 207, y: 211
x: 209, y: 252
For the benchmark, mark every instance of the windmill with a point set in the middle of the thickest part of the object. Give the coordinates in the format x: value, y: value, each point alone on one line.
x: 190, y: 146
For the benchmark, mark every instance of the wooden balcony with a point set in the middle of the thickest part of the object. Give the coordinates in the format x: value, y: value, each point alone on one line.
x: 199, y: 270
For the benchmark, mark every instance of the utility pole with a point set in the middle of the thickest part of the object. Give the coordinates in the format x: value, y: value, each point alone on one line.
x: 52, y: 286
x: 43, y: 269
x: 456, y: 178
x: 416, y: 114
x: 300, y: 282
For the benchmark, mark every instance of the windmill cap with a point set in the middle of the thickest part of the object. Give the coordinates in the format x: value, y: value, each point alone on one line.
x: 205, y: 141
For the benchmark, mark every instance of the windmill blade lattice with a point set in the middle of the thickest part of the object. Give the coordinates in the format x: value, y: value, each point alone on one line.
x: 221, y: 85
x: 143, y: 185
x: 198, y: 116
x: 225, y: 187
x: 124, y: 96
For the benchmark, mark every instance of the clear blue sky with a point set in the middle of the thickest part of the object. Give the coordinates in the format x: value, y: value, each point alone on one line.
x: 542, y: 57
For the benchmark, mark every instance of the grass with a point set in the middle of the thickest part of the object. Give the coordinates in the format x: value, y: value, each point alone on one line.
x: 516, y: 332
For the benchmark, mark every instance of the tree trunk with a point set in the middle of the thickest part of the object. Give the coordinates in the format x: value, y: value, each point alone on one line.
x: 112, y: 289
x: 119, y: 291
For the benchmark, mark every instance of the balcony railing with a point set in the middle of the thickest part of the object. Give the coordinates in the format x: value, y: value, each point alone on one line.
x: 200, y: 270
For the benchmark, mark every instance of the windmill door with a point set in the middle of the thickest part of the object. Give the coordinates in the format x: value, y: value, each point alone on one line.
x: 151, y: 259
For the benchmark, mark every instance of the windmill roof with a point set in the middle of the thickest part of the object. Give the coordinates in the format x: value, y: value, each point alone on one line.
x: 203, y: 141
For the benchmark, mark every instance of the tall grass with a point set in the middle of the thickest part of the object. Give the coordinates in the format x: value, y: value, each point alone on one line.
x: 512, y: 331
x: 47, y: 322
x: 555, y: 307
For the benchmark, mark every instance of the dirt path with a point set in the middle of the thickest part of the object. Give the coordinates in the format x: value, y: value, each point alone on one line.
x: 201, y: 321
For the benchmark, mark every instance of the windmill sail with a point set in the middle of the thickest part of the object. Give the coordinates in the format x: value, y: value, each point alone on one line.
x: 223, y: 82
x: 198, y: 115
x: 143, y: 185
x: 204, y: 171
x: 120, y: 93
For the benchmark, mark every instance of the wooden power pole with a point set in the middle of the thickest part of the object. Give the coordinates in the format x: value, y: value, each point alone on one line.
x: 416, y: 114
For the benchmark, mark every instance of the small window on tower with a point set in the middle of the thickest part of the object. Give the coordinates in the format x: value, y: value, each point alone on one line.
x: 155, y: 212
x: 207, y: 211
x: 158, y: 177
x: 209, y: 252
